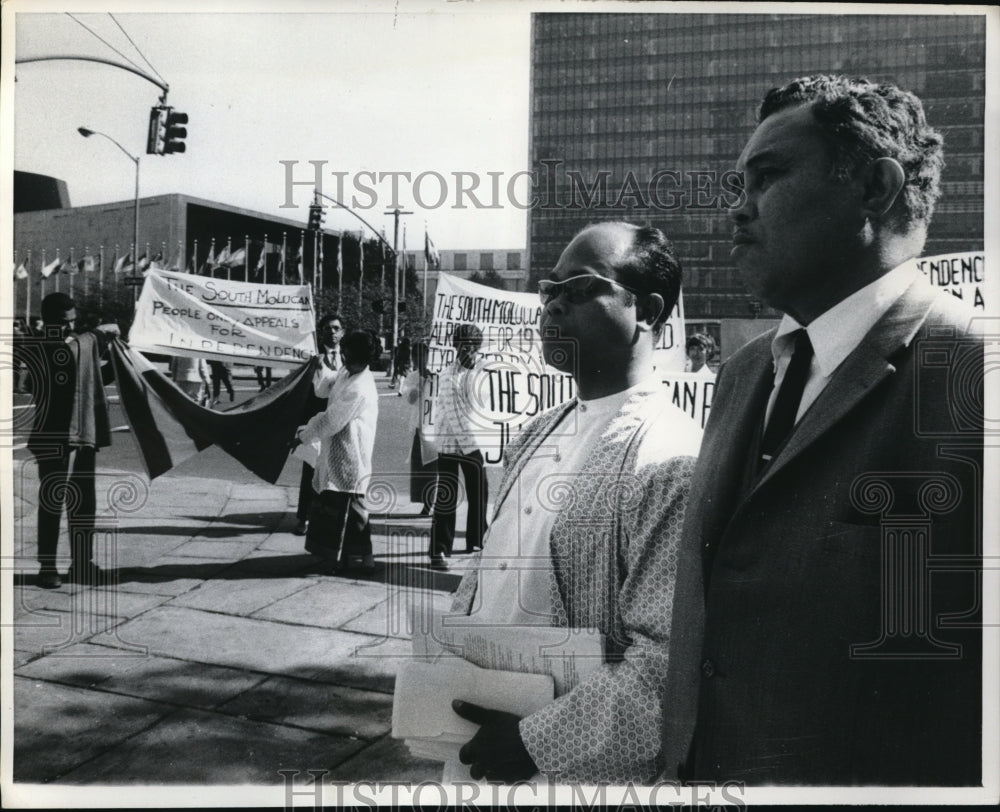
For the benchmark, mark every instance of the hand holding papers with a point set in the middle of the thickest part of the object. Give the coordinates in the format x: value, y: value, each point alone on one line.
x: 518, y: 669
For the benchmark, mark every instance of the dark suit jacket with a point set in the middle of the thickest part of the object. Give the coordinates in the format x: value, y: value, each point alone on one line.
x: 842, y: 584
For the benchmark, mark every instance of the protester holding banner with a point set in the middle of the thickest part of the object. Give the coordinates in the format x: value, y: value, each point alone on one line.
x: 841, y: 463
x: 423, y: 454
x: 70, y: 425
x: 586, y: 531
x: 339, y: 531
x: 328, y: 333
x: 454, y: 434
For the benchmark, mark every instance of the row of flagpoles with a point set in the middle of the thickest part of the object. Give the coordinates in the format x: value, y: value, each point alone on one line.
x: 226, y: 258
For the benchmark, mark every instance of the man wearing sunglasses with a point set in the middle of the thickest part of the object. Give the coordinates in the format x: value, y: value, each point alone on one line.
x: 588, y: 518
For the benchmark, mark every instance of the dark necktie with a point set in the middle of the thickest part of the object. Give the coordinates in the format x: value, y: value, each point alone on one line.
x: 786, y: 404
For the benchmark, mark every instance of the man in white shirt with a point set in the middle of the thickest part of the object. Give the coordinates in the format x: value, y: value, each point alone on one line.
x: 587, y: 525
x: 455, y: 433
x: 338, y: 531
x: 329, y: 331
x: 830, y: 655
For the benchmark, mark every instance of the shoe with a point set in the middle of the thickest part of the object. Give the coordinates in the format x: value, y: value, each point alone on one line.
x: 438, y: 563
x: 364, y: 564
x: 89, y: 574
x: 232, y: 397
x: 48, y: 578
x: 301, y: 528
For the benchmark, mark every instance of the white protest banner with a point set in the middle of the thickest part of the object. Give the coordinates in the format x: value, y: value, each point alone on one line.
x: 691, y: 392
x: 184, y: 314
x: 513, y: 384
x: 963, y: 275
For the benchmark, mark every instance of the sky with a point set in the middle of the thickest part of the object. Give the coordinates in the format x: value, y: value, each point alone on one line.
x: 440, y: 90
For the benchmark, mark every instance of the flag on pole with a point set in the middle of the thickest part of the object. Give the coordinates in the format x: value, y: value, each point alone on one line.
x: 144, y: 262
x: 237, y: 257
x: 69, y: 267
x: 223, y: 258
x: 122, y: 262
x: 210, y: 259
x: 157, y: 263
x: 262, y: 259
x: 21, y: 272
x: 87, y: 264
x: 430, y: 252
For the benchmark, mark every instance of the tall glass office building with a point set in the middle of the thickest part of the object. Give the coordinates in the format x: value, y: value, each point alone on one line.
x: 640, y: 116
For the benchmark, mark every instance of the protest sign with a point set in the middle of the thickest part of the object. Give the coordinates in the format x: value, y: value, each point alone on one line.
x: 691, y: 392
x: 963, y: 275
x: 183, y: 314
x: 512, y: 383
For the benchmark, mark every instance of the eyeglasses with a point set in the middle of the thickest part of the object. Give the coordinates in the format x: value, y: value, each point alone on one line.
x: 578, y: 289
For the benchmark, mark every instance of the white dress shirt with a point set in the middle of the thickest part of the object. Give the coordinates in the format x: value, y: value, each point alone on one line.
x: 459, y: 417
x: 514, y: 569
x: 836, y: 333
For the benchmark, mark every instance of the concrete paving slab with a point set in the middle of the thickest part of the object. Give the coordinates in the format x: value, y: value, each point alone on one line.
x: 88, y: 722
x: 275, y: 564
x: 216, y: 548
x: 83, y: 664
x: 390, y: 618
x: 386, y: 760
x: 257, y: 645
x: 329, y: 603
x: 199, y: 747
x: 31, y: 600
x: 370, y: 663
x: 316, y: 706
x: 239, y: 597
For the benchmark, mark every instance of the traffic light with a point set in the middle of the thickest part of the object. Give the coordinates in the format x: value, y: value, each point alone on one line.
x: 176, y: 132
x: 155, y: 139
x: 315, y: 217
x: 166, y: 131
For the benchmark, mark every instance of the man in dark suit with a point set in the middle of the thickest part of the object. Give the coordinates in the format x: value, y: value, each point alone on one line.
x: 837, y: 498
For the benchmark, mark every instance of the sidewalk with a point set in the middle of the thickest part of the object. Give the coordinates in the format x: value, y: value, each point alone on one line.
x: 217, y: 656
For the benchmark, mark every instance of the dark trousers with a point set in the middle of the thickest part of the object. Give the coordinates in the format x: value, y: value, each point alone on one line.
x: 423, y: 478
x: 220, y: 377
x: 446, y: 501
x: 67, y: 478
x: 306, y: 493
x: 338, y: 520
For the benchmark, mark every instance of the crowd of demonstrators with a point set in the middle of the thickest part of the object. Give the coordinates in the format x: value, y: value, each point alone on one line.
x: 338, y: 531
x: 455, y: 437
x: 600, y: 557
x: 423, y: 453
x: 70, y: 425
x: 329, y: 331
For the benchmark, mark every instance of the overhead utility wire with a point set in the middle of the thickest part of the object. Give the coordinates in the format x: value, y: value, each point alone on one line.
x: 154, y: 70
x: 112, y: 47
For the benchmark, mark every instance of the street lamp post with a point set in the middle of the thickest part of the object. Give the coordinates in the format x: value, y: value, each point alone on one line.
x: 86, y: 133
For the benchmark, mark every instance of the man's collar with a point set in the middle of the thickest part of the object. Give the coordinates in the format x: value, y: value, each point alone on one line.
x: 836, y: 333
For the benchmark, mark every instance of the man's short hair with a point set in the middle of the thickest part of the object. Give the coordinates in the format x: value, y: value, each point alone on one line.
x: 699, y: 340
x: 55, y: 306
x: 652, y: 267
x: 327, y: 318
x: 865, y: 120
x: 357, y: 345
x: 467, y: 334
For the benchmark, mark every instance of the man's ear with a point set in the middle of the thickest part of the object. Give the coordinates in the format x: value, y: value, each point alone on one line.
x: 649, y: 306
x: 884, y: 181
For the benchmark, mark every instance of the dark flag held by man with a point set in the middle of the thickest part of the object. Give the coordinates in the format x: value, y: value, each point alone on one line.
x: 169, y: 427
